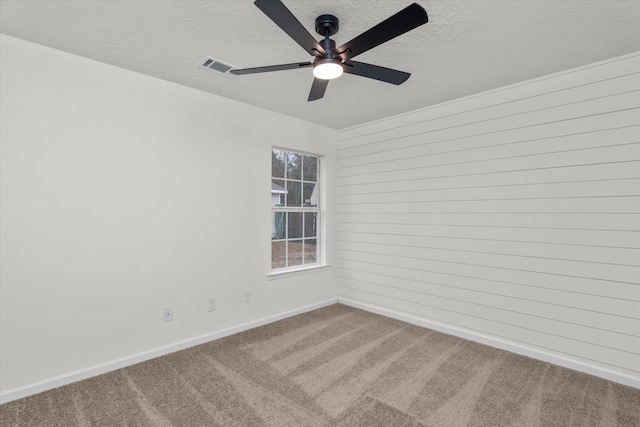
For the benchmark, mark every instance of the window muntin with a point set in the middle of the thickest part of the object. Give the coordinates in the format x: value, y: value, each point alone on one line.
x: 295, y: 205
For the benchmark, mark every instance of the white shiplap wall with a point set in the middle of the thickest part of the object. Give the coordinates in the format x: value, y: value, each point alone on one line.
x: 510, y: 217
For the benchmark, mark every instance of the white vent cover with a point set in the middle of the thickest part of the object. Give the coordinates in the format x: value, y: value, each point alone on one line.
x: 216, y: 65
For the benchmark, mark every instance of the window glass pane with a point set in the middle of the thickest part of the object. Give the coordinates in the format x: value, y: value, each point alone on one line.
x: 310, y: 195
x: 310, y: 251
x: 295, y: 225
x: 295, y: 253
x: 310, y: 226
x: 278, y: 225
x: 294, y: 198
x: 277, y: 163
x: 277, y: 192
x: 310, y: 165
x: 294, y: 166
x: 294, y: 230
x: 278, y: 254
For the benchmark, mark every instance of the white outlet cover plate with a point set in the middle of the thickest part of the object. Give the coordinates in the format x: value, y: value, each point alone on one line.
x: 167, y: 314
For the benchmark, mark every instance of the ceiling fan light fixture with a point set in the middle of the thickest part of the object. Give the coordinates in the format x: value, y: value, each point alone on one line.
x: 330, y: 62
x: 327, y: 69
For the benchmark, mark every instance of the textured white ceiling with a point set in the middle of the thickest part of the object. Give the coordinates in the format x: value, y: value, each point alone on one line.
x: 467, y: 47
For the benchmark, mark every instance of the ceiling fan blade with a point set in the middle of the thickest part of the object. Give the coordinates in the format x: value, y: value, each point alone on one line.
x: 376, y: 72
x: 318, y: 88
x: 406, y: 20
x: 284, y: 19
x: 254, y: 70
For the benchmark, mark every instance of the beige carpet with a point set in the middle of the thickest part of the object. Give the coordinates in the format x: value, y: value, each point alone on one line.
x: 337, y: 366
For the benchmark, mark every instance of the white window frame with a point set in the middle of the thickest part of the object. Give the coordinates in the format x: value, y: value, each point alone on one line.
x: 318, y: 210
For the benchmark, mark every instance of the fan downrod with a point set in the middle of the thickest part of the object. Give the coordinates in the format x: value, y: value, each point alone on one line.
x: 326, y: 25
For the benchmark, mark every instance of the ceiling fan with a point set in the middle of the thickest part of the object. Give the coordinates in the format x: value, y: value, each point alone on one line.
x: 330, y: 62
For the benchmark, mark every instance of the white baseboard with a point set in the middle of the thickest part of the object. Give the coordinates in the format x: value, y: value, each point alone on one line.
x: 576, y: 365
x: 82, y: 374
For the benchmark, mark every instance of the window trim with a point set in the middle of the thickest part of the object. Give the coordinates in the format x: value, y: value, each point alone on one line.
x: 293, y: 271
x: 320, y: 263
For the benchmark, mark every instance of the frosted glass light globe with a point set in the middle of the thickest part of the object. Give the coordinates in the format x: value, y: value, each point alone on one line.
x: 327, y: 69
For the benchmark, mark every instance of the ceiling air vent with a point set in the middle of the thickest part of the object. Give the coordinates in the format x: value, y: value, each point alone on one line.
x: 216, y: 65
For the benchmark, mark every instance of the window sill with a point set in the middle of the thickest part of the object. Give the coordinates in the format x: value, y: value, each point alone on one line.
x: 298, y: 271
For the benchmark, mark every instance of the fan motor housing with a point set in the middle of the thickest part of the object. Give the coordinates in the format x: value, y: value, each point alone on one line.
x: 326, y: 25
x: 329, y: 45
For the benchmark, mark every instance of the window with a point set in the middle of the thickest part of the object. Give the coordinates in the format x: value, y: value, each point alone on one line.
x: 295, y: 210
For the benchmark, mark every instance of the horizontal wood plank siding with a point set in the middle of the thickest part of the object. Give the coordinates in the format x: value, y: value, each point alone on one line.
x: 513, y: 214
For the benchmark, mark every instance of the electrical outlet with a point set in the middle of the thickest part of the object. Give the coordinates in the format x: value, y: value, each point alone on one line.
x: 167, y: 314
x: 247, y: 295
x: 211, y: 304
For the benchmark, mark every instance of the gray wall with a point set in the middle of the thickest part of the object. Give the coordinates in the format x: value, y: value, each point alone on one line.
x: 123, y: 194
